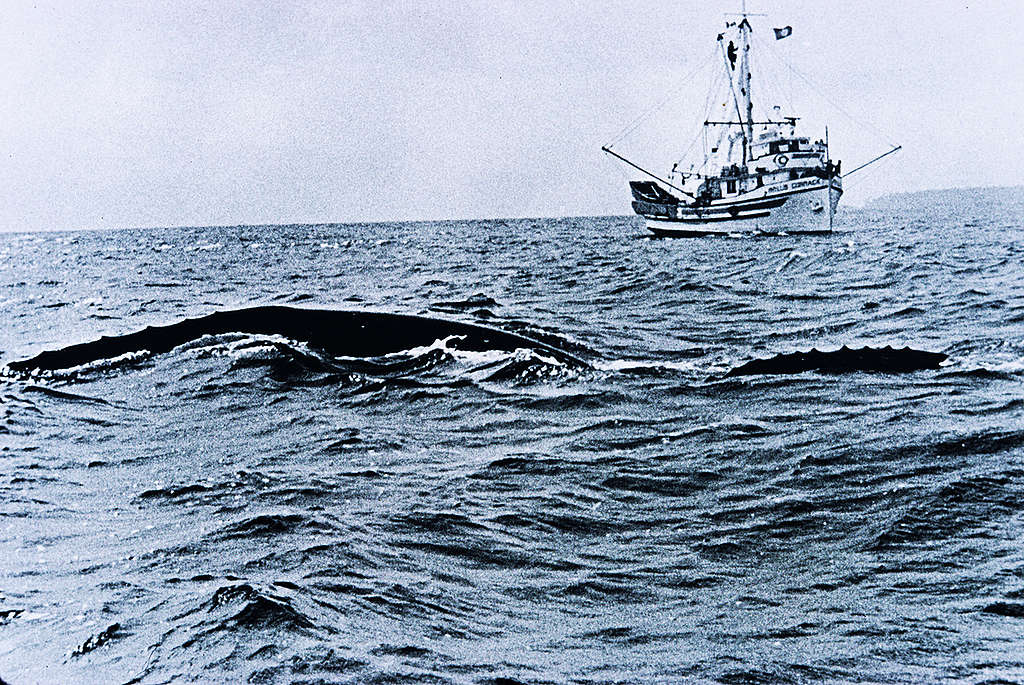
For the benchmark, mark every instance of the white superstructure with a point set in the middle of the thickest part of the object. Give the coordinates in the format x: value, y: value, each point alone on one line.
x: 757, y: 175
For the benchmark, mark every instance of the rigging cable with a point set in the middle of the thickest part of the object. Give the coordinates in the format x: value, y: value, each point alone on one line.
x: 793, y: 70
x: 646, y: 115
x: 864, y: 124
x: 702, y: 132
x: 771, y: 78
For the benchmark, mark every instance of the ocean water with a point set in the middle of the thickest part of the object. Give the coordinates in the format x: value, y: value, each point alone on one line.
x: 230, y: 511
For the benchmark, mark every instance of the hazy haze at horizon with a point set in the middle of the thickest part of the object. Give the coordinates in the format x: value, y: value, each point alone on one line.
x: 163, y: 114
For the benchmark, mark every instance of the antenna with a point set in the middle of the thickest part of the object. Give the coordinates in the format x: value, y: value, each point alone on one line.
x: 744, y: 13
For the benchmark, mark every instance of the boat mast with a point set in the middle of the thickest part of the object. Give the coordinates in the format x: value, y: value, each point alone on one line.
x: 828, y: 179
x: 748, y: 104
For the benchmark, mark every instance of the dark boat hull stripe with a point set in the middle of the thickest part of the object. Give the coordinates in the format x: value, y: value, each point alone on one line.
x: 712, y: 212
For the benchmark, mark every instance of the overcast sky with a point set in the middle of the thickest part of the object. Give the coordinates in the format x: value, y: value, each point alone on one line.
x: 175, y: 113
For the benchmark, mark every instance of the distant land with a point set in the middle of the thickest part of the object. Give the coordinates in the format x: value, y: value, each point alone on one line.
x: 945, y: 196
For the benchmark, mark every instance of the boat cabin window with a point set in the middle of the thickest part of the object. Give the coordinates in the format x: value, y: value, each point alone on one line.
x: 730, y: 186
x: 783, y: 146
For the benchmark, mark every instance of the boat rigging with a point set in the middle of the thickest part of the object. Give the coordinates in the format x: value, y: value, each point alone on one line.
x: 761, y: 173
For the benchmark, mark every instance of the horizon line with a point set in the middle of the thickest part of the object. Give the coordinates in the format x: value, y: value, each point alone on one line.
x: 157, y: 227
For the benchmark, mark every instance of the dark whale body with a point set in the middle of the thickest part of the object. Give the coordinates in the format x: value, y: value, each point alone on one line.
x: 339, y: 333
x: 844, y: 360
x: 365, y: 334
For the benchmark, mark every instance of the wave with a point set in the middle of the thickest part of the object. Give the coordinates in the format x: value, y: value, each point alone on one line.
x: 108, y: 634
x: 965, y: 506
x: 476, y: 301
x: 526, y: 366
x: 1010, y: 609
x: 269, y: 525
x: 260, y: 609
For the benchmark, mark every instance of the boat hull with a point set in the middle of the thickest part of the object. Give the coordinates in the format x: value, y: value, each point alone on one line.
x: 810, y: 210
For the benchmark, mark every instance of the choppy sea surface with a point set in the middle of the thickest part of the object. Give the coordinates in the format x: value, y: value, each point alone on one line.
x: 225, y: 513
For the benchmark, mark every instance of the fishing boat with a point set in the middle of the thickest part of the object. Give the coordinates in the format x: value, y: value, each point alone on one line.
x: 759, y: 174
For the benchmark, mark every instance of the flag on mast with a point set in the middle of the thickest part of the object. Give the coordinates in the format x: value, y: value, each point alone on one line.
x: 783, y: 32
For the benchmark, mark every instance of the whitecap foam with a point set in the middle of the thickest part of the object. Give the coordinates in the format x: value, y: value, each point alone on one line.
x: 792, y: 257
x: 439, y: 344
x: 1009, y: 366
x: 616, y: 365
x: 240, y: 346
x: 95, y: 365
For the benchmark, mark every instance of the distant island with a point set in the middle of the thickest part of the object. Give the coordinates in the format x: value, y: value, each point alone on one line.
x: 954, y: 196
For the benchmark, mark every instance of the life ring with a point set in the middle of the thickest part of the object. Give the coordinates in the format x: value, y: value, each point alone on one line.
x: 781, y: 160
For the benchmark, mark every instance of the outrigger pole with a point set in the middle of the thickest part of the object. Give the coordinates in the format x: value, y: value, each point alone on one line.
x: 884, y: 154
x: 641, y: 169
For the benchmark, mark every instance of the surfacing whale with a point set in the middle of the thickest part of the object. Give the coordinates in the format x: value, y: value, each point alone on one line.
x: 337, y: 332
x: 844, y: 360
